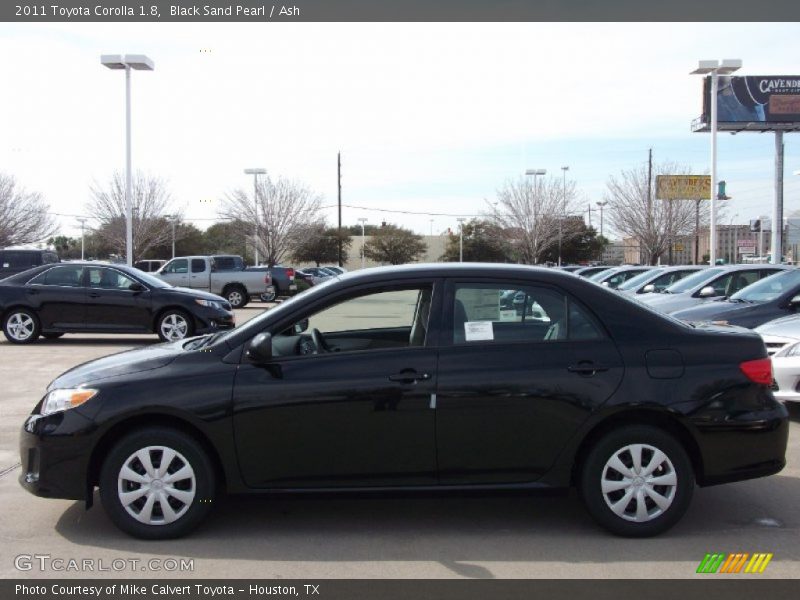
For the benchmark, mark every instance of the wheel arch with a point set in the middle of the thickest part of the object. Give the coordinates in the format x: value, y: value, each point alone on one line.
x: 660, y: 419
x: 144, y: 421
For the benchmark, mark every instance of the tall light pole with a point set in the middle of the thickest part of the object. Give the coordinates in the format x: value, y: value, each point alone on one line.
x: 362, y: 220
x: 535, y: 173
x: 255, y: 173
x: 172, y: 219
x: 140, y: 62
x: 601, y: 204
x: 431, y: 227
x: 82, y: 221
x: 715, y: 68
x: 563, y: 214
x: 460, y: 239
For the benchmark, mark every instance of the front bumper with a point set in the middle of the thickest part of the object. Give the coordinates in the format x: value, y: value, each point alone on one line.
x: 214, y: 320
x: 55, y: 451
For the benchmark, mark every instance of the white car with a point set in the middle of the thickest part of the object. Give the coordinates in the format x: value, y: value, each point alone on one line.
x: 786, y: 373
x: 780, y: 333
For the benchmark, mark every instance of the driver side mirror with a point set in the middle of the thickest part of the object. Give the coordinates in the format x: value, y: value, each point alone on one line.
x: 707, y: 292
x: 259, y: 350
x: 795, y: 301
x: 649, y: 288
x: 136, y: 287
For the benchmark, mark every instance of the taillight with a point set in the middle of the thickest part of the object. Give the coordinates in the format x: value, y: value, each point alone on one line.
x: 290, y: 274
x: 268, y: 278
x: 758, y: 371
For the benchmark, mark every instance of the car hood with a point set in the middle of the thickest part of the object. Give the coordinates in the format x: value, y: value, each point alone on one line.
x: 713, y: 311
x: 122, y: 363
x: 192, y: 293
x: 788, y: 327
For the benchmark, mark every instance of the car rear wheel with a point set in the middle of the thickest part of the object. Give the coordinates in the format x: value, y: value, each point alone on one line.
x: 174, y: 325
x: 21, y: 326
x: 237, y: 296
x: 637, y: 481
x: 157, y: 483
x: 268, y: 296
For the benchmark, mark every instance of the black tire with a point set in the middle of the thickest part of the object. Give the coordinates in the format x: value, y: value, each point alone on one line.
x: 21, y: 326
x: 52, y: 336
x: 654, y: 518
x: 169, y: 328
x: 201, y: 486
x: 237, y: 296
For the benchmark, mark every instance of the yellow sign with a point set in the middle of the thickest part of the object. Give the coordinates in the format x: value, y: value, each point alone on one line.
x: 683, y: 187
x: 679, y: 248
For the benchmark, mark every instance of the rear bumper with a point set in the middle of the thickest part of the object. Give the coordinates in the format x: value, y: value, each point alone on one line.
x: 745, y: 446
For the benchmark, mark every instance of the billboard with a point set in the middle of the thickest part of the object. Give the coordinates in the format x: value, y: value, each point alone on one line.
x: 683, y: 187
x: 757, y: 102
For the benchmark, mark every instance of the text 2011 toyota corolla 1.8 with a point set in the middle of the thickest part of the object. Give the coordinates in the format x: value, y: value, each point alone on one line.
x: 417, y: 377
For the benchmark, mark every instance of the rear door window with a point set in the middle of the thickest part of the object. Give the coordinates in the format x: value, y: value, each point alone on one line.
x: 198, y: 265
x: 66, y: 276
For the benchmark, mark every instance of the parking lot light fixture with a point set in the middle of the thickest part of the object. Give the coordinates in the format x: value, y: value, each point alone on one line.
x: 715, y: 68
x: 255, y: 172
x: 362, y: 220
x: 82, y: 221
x: 460, y: 239
x: 139, y: 62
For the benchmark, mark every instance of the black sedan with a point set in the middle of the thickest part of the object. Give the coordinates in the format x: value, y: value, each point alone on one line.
x: 416, y: 377
x: 52, y: 300
x: 771, y: 298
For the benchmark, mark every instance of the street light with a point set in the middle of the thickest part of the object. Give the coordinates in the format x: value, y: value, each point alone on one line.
x: 715, y: 68
x: 82, y: 221
x: 255, y: 173
x: 460, y: 239
x: 172, y: 218
x: 140, y: 62
x: 563, y: 214
x: 601, y: 204
x: 362, y: 220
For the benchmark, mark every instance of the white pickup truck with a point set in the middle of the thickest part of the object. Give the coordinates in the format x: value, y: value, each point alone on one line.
x: 221, y: 275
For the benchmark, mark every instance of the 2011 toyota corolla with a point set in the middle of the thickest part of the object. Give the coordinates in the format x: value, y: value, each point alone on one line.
x: 417, y: 377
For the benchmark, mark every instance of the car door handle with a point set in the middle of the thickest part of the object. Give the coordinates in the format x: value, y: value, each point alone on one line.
x: 94, y: 294
x: 586, y: 367
x: 409, y: 376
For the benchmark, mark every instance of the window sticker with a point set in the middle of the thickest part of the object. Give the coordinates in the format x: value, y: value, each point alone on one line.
x: 475, y: 331
x: 508, y: 315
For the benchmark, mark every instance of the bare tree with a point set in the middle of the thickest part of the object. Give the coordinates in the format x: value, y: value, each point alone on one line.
x: 635, y: 212
x: 151, y: 201
x: 534, y: 215
x: 23, y: 215
x: 285, y: 210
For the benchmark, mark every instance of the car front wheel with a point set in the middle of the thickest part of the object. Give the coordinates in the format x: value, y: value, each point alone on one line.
x: 174, y: 325
x: 637, y: 481
x: 21, y: 326
x: 157, y: 483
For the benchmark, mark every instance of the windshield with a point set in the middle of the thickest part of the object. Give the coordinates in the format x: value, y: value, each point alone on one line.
x: 255, y: 325
x: 770, y: 287
x: 635, y: 282
x: 153, y: 282
x: 601, y: 274
x: 692, y: 281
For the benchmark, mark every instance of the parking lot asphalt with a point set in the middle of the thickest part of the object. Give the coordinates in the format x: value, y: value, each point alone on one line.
x: 425, y: 536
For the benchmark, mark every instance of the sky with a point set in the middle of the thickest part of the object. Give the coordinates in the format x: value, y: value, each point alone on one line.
x: 431, y: 119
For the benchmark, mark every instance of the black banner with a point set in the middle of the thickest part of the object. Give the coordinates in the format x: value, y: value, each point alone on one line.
x: 705, y: 586
x: 398, y: 10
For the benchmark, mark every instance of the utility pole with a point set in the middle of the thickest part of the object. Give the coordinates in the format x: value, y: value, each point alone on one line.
x: 339, y: 184
x: 82, y: 221
x: 590, y: 214
x: 649, y: 200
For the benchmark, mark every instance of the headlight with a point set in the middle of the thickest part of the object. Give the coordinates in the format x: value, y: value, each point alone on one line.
x: 209, y: 303
x: 59, y: 400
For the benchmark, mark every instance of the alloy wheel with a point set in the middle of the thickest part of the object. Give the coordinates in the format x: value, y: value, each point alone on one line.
x: 174, y: 327
x: 20, y: 326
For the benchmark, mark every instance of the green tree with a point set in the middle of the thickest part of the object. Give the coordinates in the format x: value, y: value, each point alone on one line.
x: 483, y: 242
x: 65, y: 247
x: 394, y: 245
x: 583, y: 244
x: 189, y: 241
x: 320, y: 244
x: 225, y: 237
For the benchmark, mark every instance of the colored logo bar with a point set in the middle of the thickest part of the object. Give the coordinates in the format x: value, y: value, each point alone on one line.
x: 739, y: 562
